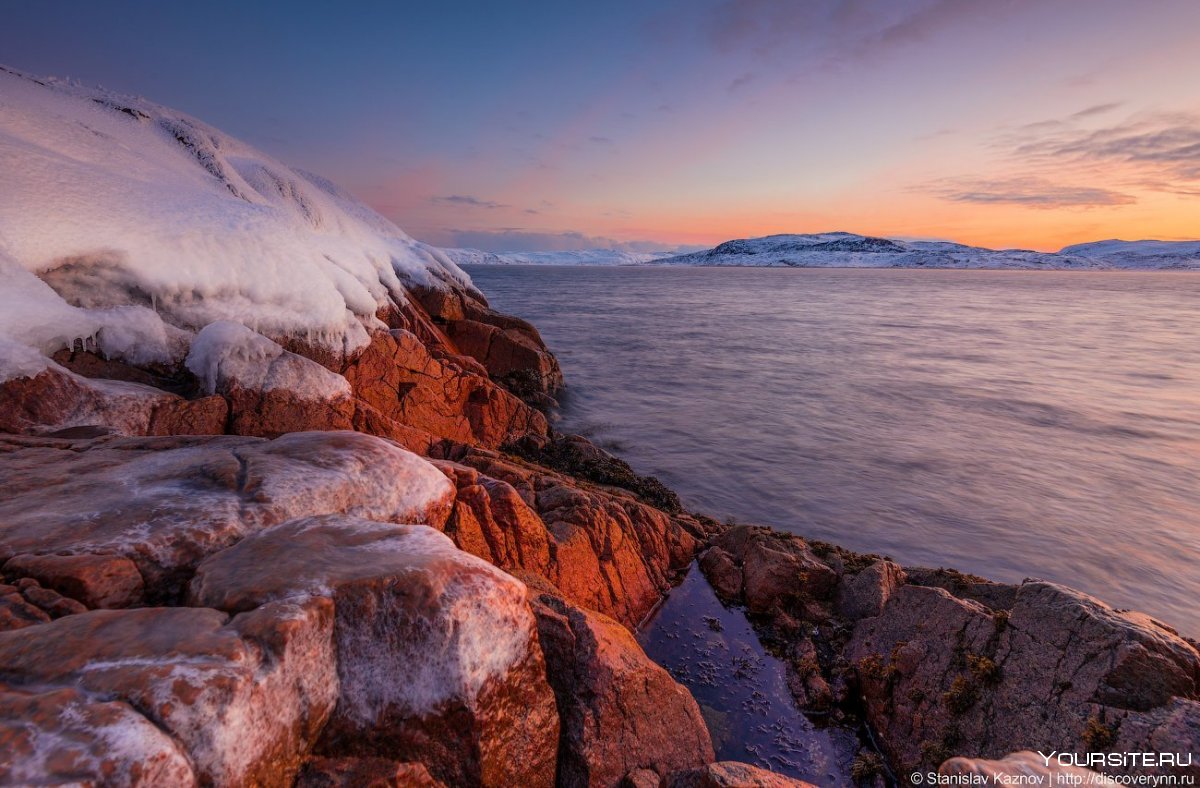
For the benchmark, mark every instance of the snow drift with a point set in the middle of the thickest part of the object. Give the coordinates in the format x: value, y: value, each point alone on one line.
x: 133, y: 226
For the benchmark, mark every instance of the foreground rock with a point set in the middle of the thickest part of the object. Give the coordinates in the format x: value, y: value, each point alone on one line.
x: 437, y: 651
x: 166, y: 503
x: 943, y: 664
x: 620, y: 711
x: 731, y: 774
x: 242, y: 698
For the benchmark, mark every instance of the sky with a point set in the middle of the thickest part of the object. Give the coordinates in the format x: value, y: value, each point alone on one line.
x: 649, y: 126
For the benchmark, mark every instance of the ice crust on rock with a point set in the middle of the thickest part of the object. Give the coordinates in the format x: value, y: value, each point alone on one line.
x: 467, y: 621
x: 225, y: 350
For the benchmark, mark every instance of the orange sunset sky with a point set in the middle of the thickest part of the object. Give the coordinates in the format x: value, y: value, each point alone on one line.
x: 1004, y: 123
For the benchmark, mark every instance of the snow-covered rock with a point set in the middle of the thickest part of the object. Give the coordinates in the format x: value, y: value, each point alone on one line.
x: 848, y: 250
x: 134, y: 225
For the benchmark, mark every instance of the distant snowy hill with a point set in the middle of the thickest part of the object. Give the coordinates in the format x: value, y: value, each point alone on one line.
x: 134, y: 225
x: 573, y: 257
x: 847, y: 250
x: 1140, y: 254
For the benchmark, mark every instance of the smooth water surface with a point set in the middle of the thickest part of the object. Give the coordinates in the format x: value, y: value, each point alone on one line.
x: 741, y: 689
x: 1012, y: 424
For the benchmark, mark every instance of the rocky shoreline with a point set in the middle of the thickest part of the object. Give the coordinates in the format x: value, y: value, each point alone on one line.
x: 237, y: 578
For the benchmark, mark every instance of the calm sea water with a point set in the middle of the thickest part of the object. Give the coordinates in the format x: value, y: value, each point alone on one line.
x: 1012, y: 424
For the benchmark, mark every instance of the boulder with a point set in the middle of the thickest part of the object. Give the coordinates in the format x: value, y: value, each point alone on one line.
x: 437, y: 651
x: 402, y: 381
x: 620, y: 711
x: 98, y: 581
x: 864, y: 594
x: 63, y: 737
x: 166, y: 503
x: 776, y: 569
x: 16, y: 612
x: 510, y: 349
x: 243, y: 698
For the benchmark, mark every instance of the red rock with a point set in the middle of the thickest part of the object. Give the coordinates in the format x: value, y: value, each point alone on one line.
x: 57, y: 399
x: 722, y: 573
x: 244, y: 698
x: 731, y: 774
x: 509, y: 348
x: 608, y: 551
x: 98, y: 581
x: 619, y: 710
x: 365, y: 773
x: 270, y: 391
x: 492, y: 521
x: 398, y: 377
x: 52, y: 602
x: 16, y: 613
x: 864, y: 594
x: 63, y: 737
x: 776, y: 568
x: 198, y: 495
x: 437, y: 650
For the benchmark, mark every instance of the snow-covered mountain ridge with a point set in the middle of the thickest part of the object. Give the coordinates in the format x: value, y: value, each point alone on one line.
x: 135, y: 226
x: 848, y: 250
x: 572, y: 257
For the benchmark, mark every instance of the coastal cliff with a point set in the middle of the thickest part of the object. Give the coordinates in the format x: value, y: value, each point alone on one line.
x: 314, y: 527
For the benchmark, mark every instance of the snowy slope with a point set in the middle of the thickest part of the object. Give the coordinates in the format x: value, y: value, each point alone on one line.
x: 572, y: 257
x: 1140, y: 254
x: 847, y: 250
x: 135, y: 225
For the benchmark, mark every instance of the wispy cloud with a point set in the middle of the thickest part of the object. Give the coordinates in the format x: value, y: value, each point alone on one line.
x: 1099, y: 109
x: 1030, y: 192
x: 467, y: 201
x: 1158, y: 152
x: 740, y: 82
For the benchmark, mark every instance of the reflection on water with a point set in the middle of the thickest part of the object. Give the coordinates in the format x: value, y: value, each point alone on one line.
x: 1012, y: 424
x: 741, y: 689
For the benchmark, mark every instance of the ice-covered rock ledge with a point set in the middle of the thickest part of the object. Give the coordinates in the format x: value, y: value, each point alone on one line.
x: 129, y: 230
